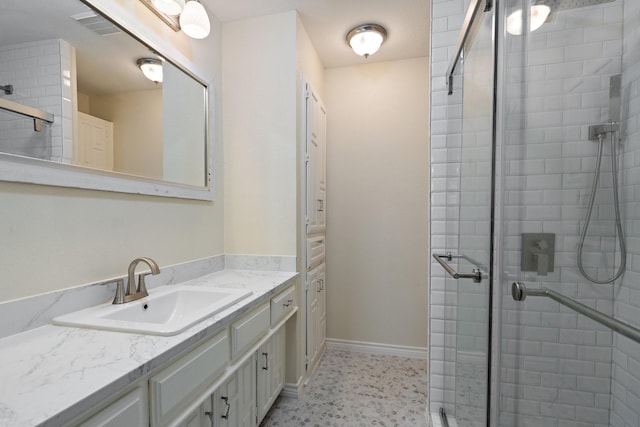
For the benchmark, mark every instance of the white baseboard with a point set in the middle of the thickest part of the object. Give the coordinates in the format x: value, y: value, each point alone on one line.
x: 376, y: 348
x: 293, y: 390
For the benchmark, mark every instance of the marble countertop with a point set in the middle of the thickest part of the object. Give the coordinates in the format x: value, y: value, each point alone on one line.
x: 52, y: 374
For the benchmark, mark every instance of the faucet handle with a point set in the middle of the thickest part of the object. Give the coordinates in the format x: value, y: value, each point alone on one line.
x: 119, y: 298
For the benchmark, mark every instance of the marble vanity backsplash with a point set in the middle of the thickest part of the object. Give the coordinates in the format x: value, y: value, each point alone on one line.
x: 23, y: 314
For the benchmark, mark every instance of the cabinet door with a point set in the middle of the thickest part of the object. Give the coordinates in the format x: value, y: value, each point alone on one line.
x: 316, y: 120
x: 316, y: 315
x: 321, y: 332
x: 234, y: 402
x: 270, y: 372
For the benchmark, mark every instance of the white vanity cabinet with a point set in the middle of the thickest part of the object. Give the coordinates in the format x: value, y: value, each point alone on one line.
x: 229, y: 380
x: 270, y: 372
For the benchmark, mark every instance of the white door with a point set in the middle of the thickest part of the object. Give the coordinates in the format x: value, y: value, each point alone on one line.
x: 316, y: 316
x: 94, y: 147
x: 316, y: 123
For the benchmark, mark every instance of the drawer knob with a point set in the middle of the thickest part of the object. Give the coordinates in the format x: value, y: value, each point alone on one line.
x: 288, y: 303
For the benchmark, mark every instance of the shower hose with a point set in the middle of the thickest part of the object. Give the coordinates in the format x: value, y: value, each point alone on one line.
x: 594, y: 189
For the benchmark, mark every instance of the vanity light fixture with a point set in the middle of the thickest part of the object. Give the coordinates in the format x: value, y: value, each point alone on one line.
x: 366, y: 39
x: 170, y: 7
x: 194, y: 20
x: 151, y: 68
x: 538, y: 14
x: 186, y: 15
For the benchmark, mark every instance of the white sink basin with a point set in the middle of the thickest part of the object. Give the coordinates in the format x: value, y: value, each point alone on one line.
x: 166, y: 311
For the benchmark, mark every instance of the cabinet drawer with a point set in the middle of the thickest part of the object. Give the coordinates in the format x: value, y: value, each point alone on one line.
x: 315, y: 251
x: 282, y: 304
x: 248, y: 329
x: 130, y: 410
x: 175, y: 385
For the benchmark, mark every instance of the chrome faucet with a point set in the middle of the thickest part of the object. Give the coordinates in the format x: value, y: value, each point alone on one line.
x: 132, y: 293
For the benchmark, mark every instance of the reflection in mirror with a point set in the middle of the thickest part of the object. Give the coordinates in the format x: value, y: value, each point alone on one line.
x: 59, y: 57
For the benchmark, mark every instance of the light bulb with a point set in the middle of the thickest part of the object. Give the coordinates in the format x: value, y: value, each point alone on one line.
x: 169, y: 7
x: 194, y: 20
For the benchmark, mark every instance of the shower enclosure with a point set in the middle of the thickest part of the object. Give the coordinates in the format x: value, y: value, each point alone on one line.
x: 535, y: 192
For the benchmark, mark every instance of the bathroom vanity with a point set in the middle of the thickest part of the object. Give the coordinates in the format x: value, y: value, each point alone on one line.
x: 226, y: 370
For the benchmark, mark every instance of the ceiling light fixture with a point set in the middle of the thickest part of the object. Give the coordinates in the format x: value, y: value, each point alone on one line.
x: 366, y: 39
x: 151, y: 68
x: 538, y: 14
x: 186, y: 15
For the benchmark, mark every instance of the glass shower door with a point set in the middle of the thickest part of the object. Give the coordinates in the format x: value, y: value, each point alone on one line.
x: 475, y: 226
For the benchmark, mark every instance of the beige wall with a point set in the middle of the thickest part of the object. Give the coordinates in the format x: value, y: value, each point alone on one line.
x: 54, y: 238
x: 377, y: 200
x: 136, y: 116
x: 259, y: 89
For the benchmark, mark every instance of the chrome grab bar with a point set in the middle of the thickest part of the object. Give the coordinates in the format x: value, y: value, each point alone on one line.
x: 476, y: 275
x: 519, y: 292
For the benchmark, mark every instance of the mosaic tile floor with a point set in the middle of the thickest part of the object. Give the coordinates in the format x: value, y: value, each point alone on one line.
x: 357, y: 389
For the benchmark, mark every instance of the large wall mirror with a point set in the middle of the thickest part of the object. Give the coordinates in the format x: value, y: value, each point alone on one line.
x: 76, y: 109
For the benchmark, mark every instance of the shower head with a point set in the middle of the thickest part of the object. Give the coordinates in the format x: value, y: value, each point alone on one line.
x: 615, y: 98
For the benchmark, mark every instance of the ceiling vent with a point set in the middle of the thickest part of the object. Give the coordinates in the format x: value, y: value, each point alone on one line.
x: 96, y: 23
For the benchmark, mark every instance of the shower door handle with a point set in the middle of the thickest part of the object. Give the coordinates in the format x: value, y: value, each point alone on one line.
x: 476, y: 274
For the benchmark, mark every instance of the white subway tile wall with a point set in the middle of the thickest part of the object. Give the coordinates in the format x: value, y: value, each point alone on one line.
x: 555, y: 365
x: 40, y: 73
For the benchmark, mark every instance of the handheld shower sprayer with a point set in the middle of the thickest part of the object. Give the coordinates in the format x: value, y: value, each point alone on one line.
x: 598, y: 132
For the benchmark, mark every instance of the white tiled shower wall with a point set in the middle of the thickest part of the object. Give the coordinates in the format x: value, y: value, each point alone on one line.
x: 40, y: 73
x: 556, y: 365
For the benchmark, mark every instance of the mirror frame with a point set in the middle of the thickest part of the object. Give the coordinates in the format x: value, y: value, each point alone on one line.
x: 20, y: 169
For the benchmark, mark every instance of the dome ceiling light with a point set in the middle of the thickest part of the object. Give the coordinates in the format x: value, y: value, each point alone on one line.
x: 151, y: 68
x: 366, y: 39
